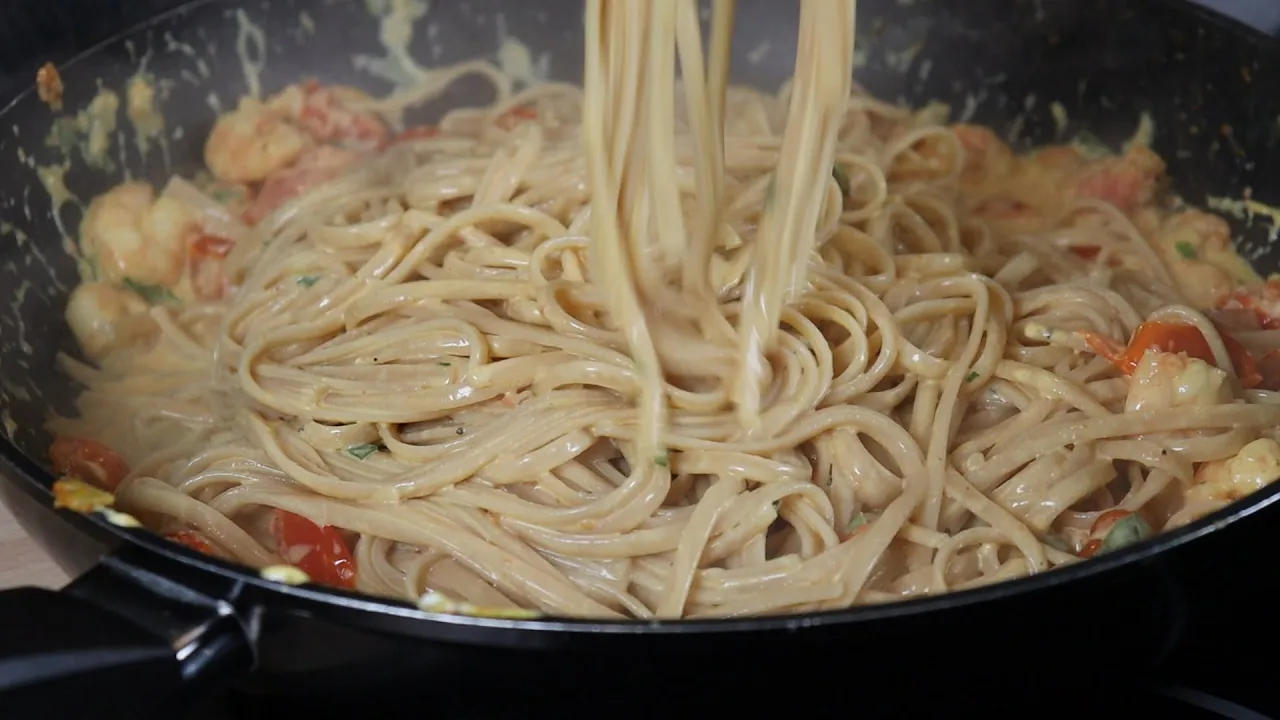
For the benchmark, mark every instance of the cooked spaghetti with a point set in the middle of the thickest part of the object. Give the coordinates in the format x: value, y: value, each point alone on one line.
x: 663, y: 348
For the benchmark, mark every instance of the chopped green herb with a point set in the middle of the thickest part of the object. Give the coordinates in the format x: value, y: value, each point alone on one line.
x: 1127, y: 531
x: 63, y: 134
x: 842, y: 179
x: 153, y: 294
x: 308, y: 280
x: 1056, y: 543
x: 859, y: 519
x: 225, y: 195
x: 1088, y: 145
x: 445, y: 364
x: 662, y: 459
x: 1185, y: 249
x: 972, y: 376
x: 361, y: 452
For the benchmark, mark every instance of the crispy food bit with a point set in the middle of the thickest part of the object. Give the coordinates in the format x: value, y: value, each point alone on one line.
x: 49, y: 86
x: 73, y: 494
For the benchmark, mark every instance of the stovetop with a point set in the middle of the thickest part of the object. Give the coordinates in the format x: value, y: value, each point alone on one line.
x: 1167, y: 702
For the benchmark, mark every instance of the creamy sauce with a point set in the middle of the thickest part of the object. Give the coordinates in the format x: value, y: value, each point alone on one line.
x: 148, y: 122
x: 516, y: 61
x: 53, y: 179
x: 396, y: 20
x: 251, y: 49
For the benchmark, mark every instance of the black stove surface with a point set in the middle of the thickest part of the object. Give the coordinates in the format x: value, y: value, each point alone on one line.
x: 1169, y: 702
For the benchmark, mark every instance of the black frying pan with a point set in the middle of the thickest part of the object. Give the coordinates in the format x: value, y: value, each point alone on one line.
x: 147, y: 624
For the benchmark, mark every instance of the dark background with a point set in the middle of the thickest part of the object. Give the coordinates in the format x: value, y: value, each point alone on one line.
x: 32, y: 31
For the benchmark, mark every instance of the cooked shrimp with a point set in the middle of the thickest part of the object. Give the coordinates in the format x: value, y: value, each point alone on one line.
x: 1221, y: 482
x: 259, y: 139
x: 325, y: 114
x: 105, y: 318
x: 1185, y: 240
x: 1163, y: 381
x: 134, y: 236
x: 251, y: 142
x: 1127, y: 181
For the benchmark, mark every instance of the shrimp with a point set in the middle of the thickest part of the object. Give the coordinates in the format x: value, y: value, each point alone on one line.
x: 985, y: 155
x: 1126, y: 182
x: 105, y: 318
x: 1164, y: 381
x: 1221, y: 482
x: 251, y: 142
x: 133, y: 236
x: 259, y: 139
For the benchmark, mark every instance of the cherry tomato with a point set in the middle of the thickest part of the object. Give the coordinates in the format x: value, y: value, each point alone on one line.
x: 1101, y: 527
x: 1262, y: 300
x: 516, y: 115
x: 193, y: 540
x: 1174, y: 338
x: 206, y: 266
x: 321, y: 552
x: 88, y: 460
x: 327, y: 118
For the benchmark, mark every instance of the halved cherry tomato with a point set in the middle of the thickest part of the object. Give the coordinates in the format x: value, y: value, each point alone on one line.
x: 193, y: 540
x: 88, y: 460
x: 516, y: 115
x: 1269, y: 370
x: 206, y: 264
x: 1098, y: 533
x: 327, y: 118
x: 417, y: 133
x: 1174, y: 338
x: 321, y: 552
x: 316, y: 168
x: 1262, y: 300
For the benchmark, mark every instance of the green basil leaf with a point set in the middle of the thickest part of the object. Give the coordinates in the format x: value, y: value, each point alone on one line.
x: 361, y: 452
x: 1127, y: 531
x: 308, y: 280
x: 153, y: 294
x: 972, y: 376
x: 1185, y: 249
x: 859, y: 519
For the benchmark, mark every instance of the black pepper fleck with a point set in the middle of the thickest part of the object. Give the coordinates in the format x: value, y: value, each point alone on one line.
x: 461, y: 431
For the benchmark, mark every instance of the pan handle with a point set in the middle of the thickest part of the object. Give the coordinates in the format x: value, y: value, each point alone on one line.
x: 118, y: 641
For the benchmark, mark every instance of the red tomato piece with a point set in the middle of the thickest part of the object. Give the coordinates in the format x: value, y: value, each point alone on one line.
x: 515, y: 116
x: 319, y: 551
x: 1102, y: 526
x: 206, y: 264
x: 88, y: 460
x: 1174, y: 338
x: 320, y: 166
x: 326, y: 117
x: 1262, y: 300
x: 193, y: 540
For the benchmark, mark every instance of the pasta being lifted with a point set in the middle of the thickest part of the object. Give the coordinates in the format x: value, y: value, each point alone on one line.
x: 662, y: 347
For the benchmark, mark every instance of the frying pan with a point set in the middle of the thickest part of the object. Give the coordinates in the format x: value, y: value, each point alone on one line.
x: 148, y: 625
